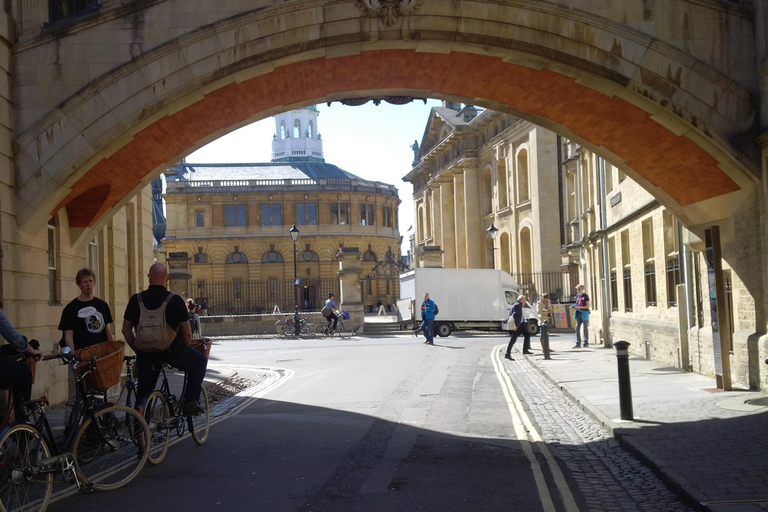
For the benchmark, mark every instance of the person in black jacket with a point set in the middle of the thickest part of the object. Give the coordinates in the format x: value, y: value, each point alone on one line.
x: 516, y: 314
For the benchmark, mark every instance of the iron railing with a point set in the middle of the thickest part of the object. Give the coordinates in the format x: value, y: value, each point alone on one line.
x: 59, y: 10
x: 558, y: 284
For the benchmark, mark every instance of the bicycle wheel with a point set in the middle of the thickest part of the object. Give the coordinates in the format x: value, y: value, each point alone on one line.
x: 289, y: 330
x: 280, y: 327
x: 345, y: 329
x: 200, y: 425
x: 22, y: 486
x: 157, y: 414
x: 111, y: 447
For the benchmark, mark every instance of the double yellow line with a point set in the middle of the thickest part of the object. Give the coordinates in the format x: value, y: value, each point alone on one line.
x: 529, y: 439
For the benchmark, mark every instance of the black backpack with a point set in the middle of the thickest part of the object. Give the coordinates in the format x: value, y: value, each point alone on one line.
x: 437, y: 310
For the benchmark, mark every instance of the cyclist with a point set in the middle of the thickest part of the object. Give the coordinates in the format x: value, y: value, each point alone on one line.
x: 180, y: 354
x: 331, y: 305
x: 15, y: 375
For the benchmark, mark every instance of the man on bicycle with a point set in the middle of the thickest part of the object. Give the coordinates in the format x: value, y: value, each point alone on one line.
x: 180, y: 354
x: 331, y: 305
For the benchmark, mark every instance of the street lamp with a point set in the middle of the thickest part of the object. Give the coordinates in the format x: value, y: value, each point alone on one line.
x: 294, y: 236
x: 492, y: 232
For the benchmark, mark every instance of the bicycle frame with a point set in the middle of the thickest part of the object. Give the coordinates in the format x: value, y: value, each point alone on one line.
x: 177, y: 418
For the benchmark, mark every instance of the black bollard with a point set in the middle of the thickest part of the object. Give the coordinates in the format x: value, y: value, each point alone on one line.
x: 625, y: 386
x: 545, y: 339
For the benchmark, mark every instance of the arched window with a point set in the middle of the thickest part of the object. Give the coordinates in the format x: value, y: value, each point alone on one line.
x: 296, y: 129
x: 526, y: 255
x: 369, y: 256
x: 282, y: 130
x: 308, y: 256
x: 237, y: 257
x: 310, y: 130
x: 272, y: 257
x: 504, y: 247
x: 502, y: 184
x: 487, y: 191
x: 522, y: 176
x: 201, y: 257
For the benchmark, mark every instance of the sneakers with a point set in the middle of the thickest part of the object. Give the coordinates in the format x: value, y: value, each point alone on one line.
x: 192, y: 408
x: 578, y: 345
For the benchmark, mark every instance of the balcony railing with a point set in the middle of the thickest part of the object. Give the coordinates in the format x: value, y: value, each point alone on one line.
x: 59, y: 10
x: 375, y: 187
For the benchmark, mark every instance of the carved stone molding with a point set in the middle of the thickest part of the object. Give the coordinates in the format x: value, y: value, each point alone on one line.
x: 388, y: 10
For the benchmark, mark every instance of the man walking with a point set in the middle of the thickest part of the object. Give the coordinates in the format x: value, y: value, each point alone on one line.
x: 428, y: 319
x: 516, y: 314
x: 180, y: 354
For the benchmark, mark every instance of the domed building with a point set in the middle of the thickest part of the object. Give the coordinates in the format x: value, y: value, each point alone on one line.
x: 228, y: 241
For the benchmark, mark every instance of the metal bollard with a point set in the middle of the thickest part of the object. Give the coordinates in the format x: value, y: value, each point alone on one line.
x: 545, y: 339
x: 625, y: 386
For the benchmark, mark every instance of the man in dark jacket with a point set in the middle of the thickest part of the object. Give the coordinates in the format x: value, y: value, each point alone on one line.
x: 516, y: 314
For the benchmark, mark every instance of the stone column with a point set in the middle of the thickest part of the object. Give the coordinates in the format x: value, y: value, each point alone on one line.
x: 350, y: 274
x: 430, y: 256
x: 447, y: 225
x: 458, y: 214
x: 436, y: 205
x: 472, y: 215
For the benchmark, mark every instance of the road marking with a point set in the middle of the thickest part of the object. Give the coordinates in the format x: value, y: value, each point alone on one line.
x: 528, y: 436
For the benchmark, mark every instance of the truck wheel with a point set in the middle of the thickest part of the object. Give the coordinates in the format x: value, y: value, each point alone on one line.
x: 532, y: 326
x: 443, y: 330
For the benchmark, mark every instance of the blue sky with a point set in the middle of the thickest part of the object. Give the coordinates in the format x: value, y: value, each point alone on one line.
x: 373, y: 142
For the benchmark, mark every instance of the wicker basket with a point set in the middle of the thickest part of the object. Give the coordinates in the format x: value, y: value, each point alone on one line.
x: 108, y: 357
x: 203, y: 346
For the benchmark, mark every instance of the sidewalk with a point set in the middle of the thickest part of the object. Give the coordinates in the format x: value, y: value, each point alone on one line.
x: 709, y: 445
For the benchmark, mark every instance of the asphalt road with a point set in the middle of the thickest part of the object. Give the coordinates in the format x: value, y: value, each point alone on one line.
x: 365, y: 424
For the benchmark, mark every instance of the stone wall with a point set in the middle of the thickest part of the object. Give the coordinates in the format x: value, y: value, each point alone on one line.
x: 247, y: 325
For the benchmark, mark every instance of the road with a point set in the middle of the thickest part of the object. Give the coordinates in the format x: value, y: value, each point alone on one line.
x: 374, y: 424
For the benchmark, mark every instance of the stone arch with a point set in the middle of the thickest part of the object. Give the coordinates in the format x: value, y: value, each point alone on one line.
x: 145, y: 113
x: 307, y: 256
x: 370, y: 256
x: 272, y: 257
x: 236, y: 257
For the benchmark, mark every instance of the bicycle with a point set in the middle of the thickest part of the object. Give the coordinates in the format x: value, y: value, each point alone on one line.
x: 343, y: 327
x: 287, y: 327
x: 104, y: 449
x: 157, y: 411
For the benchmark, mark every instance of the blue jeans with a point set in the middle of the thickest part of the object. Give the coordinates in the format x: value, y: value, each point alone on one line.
x: 428, y: 327
x: 191, y: 362
x: 579, y: 323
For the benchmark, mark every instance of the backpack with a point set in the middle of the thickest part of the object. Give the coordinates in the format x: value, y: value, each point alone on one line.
x: 436, y: 308
x: 152, y: 333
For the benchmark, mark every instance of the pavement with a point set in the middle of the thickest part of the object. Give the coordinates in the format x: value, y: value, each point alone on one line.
x: 708, y: 445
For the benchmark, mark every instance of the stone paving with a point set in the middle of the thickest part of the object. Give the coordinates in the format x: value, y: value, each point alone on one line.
x: 709, y: 446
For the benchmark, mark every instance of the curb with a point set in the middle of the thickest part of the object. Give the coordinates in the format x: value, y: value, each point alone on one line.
x: 671, y: 478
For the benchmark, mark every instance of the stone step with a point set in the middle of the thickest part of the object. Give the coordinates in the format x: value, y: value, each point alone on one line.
x: 382, y: 328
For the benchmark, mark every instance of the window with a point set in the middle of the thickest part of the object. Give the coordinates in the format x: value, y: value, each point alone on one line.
x: 614, y: 274
x: 201, y: 257
x: 368, y: 286
x: 340, y: 213
x: 200, y: 217
x: 237, y: 289
x: 272, y: 257
x: 672, y: 256
x: 235, y: 215
x: 93, y: 256
x: 237, y: 257
x: 310, y: 130
x: 296, y: 129
x: 271, y: 215
x: 502, y: 184
x: 650, y: 263
x: 369, y: 256
x: 201, y: 288
x: 283, y: 134
x: 627, y: 267
x: 366, y: 214
x: 387, y: 216
x: 306, y: 214
x: 522, y: 176
x: 53, y: 291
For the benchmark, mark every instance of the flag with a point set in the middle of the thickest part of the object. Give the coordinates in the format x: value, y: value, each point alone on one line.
x: 410, y: 228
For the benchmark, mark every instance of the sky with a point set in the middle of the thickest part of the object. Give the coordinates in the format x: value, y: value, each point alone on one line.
x: 373, y: 142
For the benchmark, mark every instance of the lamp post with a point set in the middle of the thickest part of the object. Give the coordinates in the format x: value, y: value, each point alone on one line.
x: 492, y: 232
x: 294, y: 236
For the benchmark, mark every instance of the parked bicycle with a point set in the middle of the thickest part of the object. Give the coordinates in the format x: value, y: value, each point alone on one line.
x: 287, y: 327
x: 103, y: 449
x: 343, y: 327
x: 164, y: 415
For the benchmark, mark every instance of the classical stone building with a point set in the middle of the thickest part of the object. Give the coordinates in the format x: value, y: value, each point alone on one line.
x: 472, y: 170
x: 648, y: 276
x: 227, y: 237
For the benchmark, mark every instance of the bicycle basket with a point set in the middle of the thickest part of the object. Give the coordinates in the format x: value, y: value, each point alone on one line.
x: 108, y: 363
x: 203, y: 346
x: 345, y: 314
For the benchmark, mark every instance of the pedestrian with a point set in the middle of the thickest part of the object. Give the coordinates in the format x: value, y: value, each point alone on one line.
x: 428, y: 319
x: 205, y: 307
x: 546, y: 315
x: 194, y: 319
x: 516, y: 313
x: 180, y: 354
x: 85, y: 320
x: 15, y: 375
x: 581, y: 315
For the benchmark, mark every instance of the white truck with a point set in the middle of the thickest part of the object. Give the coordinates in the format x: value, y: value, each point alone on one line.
x: 466, y: 299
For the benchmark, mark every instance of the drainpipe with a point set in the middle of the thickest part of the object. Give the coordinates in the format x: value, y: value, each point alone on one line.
x: 579, y: 214
x: 684, y: 263
x: 560, y: 188
x: 606, y: 317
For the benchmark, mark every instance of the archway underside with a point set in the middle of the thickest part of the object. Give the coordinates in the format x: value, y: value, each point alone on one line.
x: 685, y: 172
